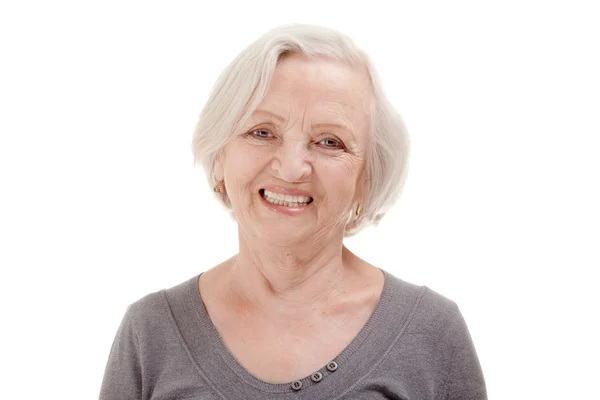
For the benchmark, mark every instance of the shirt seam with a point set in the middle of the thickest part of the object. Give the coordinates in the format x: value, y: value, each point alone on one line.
x: 138, y: 348
x: 284, y: 388
x: 211, y: 385
x: 281, y: 389
x: 410, y: 318
x: 446, y: 390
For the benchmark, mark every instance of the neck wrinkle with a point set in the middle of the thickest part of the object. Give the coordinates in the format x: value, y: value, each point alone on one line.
x: 290, y: 282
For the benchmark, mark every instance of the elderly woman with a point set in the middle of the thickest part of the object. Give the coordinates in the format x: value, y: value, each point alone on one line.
x: 300, y: 144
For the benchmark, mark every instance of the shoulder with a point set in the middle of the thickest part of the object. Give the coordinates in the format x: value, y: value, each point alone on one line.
x: 430, y: 311
x: 150, y: 312
x: 436, y: 334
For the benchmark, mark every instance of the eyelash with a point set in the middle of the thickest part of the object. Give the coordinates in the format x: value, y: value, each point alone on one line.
x: 340, y: 145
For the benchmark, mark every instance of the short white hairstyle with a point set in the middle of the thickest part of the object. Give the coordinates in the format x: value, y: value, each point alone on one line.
x: 244, y: 83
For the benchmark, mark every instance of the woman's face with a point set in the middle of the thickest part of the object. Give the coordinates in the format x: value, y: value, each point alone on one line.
x: 306, y: 140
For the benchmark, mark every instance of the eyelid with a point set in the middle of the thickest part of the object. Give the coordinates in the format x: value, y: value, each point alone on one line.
x: 268, y: 130
x: 330, y: 139
x: 340, y: 143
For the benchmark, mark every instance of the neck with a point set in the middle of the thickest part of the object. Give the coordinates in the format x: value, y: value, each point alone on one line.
x: 291, y: 281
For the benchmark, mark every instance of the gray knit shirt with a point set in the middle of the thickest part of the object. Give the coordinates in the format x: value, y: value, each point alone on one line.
x: 415, y: 345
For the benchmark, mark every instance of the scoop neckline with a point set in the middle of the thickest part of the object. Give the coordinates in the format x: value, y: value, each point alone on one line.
x: 330, y: 380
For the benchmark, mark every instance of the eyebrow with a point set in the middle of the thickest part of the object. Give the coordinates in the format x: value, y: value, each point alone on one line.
x: 273, y: 115
x: 332, y: 125
x: 341, y: 126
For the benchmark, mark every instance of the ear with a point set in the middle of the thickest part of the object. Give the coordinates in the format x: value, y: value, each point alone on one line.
x: 361, y: 187
x: 219, y: 168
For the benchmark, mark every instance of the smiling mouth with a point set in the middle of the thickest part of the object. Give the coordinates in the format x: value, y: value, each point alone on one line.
x: 285, y: 200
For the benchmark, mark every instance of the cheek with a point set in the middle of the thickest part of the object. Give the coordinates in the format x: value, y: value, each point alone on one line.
x: 245, y: 162
x: 339, y: 178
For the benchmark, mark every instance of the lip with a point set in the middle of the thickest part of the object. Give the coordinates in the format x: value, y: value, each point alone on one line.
x: 290, y: 191
x: 290, y: 211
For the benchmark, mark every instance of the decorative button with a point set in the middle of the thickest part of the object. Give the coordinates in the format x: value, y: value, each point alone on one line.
x: 332, y: 366
x: 316, y: 377
x: 297, y: 385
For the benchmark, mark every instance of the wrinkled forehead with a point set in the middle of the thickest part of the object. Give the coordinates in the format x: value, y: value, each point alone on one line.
x: 319, y: 89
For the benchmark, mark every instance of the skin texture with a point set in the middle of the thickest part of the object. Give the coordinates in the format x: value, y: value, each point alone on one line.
x: 292, y: 276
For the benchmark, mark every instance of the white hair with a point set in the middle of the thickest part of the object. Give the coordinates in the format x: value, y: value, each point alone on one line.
x: 244, y: 83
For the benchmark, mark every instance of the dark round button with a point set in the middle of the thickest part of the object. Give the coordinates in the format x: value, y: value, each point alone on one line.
x: 316, y: 377
x: 332, y: 366
x: 297, y: 385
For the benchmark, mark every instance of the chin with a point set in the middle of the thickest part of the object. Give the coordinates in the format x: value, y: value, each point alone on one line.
x: 284, y: 234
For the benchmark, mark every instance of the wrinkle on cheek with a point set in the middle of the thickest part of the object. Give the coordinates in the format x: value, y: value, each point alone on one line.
x: 353, y: 166
x: 348, y: 166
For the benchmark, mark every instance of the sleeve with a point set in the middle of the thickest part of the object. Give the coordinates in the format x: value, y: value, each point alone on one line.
x: 464, y: 379
x: 122, y: 377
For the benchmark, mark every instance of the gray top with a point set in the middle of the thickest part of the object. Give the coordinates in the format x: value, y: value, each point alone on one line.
x: 415, y: 345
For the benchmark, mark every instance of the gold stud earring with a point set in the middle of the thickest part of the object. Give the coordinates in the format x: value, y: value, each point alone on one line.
x: 220, y: 187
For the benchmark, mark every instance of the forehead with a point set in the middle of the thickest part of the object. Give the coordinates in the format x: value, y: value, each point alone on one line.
x: 320, y: 87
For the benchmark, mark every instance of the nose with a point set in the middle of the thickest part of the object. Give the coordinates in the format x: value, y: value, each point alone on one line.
x: 291, y: 161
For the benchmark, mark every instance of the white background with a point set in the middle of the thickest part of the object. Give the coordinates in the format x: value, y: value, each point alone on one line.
x: 100, y: 203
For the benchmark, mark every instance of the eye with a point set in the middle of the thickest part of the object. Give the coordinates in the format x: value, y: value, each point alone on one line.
x: 331, y: 143
x: 261, y: 133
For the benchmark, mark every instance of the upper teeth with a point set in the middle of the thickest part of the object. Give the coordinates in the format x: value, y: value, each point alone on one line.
x: 287, y: 197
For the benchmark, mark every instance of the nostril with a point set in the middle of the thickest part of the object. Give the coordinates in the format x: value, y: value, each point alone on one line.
x: 291, y: 169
